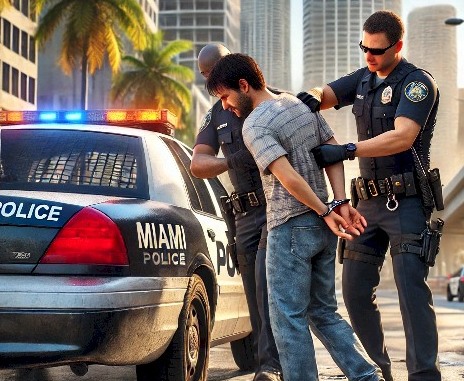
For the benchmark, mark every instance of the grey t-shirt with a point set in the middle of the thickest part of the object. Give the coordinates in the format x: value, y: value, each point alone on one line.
x: 286, y: 127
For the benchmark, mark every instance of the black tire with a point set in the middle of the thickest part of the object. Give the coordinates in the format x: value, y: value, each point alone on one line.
x: 186, y: 358
x: 242, y: 351
x: 449, y: 296
x: 461, y: 294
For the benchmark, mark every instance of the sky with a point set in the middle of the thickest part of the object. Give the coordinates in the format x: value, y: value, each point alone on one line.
x: 408, y: 5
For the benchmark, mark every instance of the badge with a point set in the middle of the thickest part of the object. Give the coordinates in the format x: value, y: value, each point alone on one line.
x: 416, y: 91
x: 386, y: 95
x: 206, y: 121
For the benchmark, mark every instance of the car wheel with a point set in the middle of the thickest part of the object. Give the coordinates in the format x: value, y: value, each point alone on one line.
x: 461, y: 294
x: 186, y: 358
x: 242, y: 351
x: 449, y: 296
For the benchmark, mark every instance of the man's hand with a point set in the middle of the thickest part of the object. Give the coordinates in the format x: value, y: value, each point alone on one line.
x: 313, y: 103
x: 338, y: 225
x: 356, y: 222
x: 328, y: 154
x: 241, y: 159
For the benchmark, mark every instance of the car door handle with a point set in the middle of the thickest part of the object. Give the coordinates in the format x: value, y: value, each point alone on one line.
x: 212, y: 234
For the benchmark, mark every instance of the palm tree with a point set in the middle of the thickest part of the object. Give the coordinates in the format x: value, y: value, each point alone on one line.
x: 154, y: 80
x: 93, y: 30
x: 4, y: 4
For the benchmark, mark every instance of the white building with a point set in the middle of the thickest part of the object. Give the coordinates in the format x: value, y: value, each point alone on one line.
x: 18, y: 58
x: 432, y: 46
x: 203, y: 22
x: 265, y: 35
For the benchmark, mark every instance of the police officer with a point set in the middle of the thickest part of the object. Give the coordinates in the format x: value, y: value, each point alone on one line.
x: 395, y: 106
x: 223, y: 129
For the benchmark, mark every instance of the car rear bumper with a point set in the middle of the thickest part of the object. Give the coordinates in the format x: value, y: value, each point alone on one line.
x: 48, y: 320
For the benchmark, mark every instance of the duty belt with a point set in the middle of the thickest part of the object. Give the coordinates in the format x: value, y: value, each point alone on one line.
x: 402, y: 183
x: 243, y: 202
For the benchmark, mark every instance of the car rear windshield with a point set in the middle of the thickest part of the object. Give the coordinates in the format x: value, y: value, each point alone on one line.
x: 72, y: 161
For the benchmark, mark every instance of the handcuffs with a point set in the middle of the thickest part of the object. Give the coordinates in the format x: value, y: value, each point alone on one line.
x: 332, y: 205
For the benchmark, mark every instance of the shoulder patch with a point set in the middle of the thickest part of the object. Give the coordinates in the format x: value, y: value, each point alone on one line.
x: 416, y: 91
x: 206, y: 120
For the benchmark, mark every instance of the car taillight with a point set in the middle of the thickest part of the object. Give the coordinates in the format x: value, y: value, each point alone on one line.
x: 461, y: 279
x: 89, y: 237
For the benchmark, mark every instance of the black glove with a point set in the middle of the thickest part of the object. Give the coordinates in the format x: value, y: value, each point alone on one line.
x: 309, y: 100
x: 241, y: 159
x: 328, y: 154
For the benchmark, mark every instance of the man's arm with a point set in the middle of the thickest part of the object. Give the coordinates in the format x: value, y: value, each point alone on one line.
x: 205, y: 164
x: 300, y: 189
x: 336, y: 176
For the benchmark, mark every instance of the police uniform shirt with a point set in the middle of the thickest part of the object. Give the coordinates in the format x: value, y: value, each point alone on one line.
x: 418, y: 91
x: 223, y: 129
x: 215, y: 120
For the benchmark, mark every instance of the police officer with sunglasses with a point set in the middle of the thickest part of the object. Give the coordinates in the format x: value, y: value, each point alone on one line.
x: 395, y: 106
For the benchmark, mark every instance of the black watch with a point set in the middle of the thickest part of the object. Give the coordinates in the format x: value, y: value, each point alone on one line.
x: 350, y: 150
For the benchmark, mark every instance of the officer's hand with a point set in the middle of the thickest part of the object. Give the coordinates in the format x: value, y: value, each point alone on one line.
x: 241, y: 160
x: 328, y: 154
x: 309, y: 100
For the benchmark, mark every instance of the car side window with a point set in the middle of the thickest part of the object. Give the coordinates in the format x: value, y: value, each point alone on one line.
x: 198, y: 192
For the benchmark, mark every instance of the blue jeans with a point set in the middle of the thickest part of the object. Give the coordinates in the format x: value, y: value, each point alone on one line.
x: 300, y: 270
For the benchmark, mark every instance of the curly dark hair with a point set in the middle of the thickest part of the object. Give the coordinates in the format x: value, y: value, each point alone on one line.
x: 387, y: 22
x: 230, y: 69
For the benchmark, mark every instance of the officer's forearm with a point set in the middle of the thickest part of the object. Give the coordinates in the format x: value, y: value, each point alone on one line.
x: 391, y: 142
x: 206, y: 166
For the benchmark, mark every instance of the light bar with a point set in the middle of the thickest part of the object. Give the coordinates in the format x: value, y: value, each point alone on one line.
x: 140, y: 118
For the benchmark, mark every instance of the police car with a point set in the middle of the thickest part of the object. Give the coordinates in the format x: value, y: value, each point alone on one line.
x: 455, y: 286
x: 111, y: 251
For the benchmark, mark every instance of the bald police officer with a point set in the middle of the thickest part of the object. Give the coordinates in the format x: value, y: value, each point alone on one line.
x: 222, y: 129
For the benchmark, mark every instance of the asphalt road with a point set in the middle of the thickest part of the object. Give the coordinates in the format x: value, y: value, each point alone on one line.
x: 450, y: 317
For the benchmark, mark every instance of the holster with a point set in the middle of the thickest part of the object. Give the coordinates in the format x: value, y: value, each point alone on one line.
x: 229, y: 217
x: 340, y: 249
x: 431, y: 237
x: 354, y: 194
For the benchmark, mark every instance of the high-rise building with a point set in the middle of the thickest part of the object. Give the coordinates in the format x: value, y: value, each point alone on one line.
x: 57, y: 90
x: 18, y: 57
x: 432, y: 46
x: 203, y: 22
x: 265, y: 35
x: 332, y: 30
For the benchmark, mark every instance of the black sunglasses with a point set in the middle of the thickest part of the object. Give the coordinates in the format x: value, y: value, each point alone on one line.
x: 375, y: 51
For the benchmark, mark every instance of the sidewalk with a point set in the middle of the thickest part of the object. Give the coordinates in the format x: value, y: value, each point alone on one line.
x: 451, y: 344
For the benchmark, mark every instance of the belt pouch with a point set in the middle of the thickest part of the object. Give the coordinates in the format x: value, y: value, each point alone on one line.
x: 409, y: 184
x: 397, y: 183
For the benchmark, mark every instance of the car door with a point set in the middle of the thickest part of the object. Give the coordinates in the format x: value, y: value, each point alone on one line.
x: 204, y: 196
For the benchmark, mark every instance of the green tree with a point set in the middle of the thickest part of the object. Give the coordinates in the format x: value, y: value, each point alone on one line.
x: 152, y: 80
x: 93, y: 30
